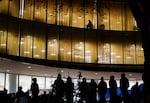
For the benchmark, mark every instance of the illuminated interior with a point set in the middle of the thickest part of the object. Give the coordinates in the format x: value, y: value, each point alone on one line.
x: 57, y: 30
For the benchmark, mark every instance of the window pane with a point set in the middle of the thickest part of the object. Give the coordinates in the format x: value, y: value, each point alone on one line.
x: 90, y: 13
x: 14, y: 8
x: 116, y: 49
x: 40, y: 81
x: 12, y: 83
x: 39, y: 42
x: 103, y: 49
x: 65, y: 45
x: 3, y: 35
x: 129, y: 49
x: 52, y: 44
x: 49, y: 82
x: 78, y: 46
x: 28, y: 9
x: 64, y: 10
x: 115, y: 16
x: 51, y: 11
x: 40, y: 10
x: 13, y: 37
x: 90, y: 47
x: 25, y: 82
x: 103, y: 15
x: 4, y: 6
x: 26, y: 40
x: 78, y: 13
x: 2, y: 79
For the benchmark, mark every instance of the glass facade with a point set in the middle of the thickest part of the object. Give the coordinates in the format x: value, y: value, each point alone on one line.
x: 57, y: 30
x: 12, y: 81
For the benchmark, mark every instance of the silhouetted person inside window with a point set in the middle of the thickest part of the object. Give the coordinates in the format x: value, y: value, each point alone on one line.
x: 69, y: 88
x: 124, y: 85
x: 34, y: 90
x: 89, y: 25
x: 83, y: 88
x: 59, y: 87
x: 92, y: 91
x: 113, y: 90
x: 102, y: 89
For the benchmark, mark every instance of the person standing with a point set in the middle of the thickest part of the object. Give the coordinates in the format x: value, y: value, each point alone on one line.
x: 34, y: 90
x: 59, y: 87
x: 92, y: 91
x: 69, y: 88
x: 113, y: 90
x: 102, y: 89
x: 124, y: 85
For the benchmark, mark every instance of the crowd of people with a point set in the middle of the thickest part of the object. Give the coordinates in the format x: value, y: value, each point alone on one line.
x: 87, y: 92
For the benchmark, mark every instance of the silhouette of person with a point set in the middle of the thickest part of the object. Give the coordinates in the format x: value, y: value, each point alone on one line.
x: 43, y: 98
x: 83, y: 88
x: 102, y: 89
x: 89, y: 25
x: 59, y: 87
x: 113, y: 90
x: 34, y: 90
x: 69, y: 87
x: 92, y: 91
x: 19, y: 95
x: 135, y: 93
x: 124, y: 84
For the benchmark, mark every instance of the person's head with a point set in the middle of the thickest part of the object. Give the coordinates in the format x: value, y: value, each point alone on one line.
x: 102, y: 78
x: 84, y: 79
x: 123, y: 75
x: 92, y: 80
x: 59, y: 76
x: 34, y: 80
x: 69, y: 79
x: 20, y: 88
x: 112, y: 77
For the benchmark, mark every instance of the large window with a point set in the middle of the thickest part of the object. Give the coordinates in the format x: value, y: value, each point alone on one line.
x: 78, y: 46
x: 90, y: 47
x: 40, y: 10
x: 116, y: 49
x: 13, y: 38
x: 39, y: 42
x: 64, y: 12
x: 51, y: 12
x: 4, y: 6
x: 129, y: 50
x: 104, y: 49
x: 78, y: 13
x: 90, y: 13
x: 65, y: 45
x: 25, y: 82
x: 26, y: 40
x: 14, y: 8
x: 3, y: 35
x: 28, y: 9
x: 52, y: 44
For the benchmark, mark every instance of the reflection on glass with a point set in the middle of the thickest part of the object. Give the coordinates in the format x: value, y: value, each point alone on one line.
x: 2, y: 78
x: 104, y: 56
x: 2, y: 41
